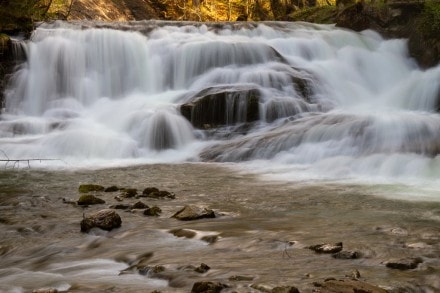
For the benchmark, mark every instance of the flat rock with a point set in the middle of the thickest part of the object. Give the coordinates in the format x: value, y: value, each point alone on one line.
x: 404, y: 263
x: 112, y: 188
x: 193, y: 212
x: 347, y: 255
x: 346, y: 286
x: 88, y: 199
x: 285, y: 289
x: 106, y: 219
x: 183, y: 233
x: 327, y: 248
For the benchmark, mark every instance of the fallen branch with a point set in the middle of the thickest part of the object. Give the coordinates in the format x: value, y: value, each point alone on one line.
x: 16, y: 162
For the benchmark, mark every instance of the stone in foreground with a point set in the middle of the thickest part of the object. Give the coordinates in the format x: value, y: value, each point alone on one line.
x: 208, y: 287
x: 84, y: 188
x: 104, y: 219
x: 404, y: 264
x: 193, y: 212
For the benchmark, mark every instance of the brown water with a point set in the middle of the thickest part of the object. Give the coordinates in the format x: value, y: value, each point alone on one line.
x: 263, y: 230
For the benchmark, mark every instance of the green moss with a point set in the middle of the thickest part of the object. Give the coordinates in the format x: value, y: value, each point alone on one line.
x: 84, y: 188
x: 322, y: 14
x: 88, y: 199
x: 429, y: 23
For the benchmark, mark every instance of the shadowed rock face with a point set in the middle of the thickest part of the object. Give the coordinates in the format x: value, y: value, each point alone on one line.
x: 222, y: 106
x: 398, y: 19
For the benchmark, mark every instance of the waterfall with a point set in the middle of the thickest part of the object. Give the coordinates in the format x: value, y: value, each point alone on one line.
x: 292, y: 99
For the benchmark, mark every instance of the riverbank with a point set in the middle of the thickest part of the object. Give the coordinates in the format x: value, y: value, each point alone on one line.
x: 258, y: 241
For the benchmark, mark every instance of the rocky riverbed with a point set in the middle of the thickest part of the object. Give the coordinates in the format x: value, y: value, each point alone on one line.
x: 259, y: 236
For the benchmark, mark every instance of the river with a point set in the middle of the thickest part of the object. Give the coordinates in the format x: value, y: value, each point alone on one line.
x: 341, y: 147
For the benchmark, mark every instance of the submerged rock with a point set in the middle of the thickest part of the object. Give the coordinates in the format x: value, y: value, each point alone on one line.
x: 113, y: 188
x: 347, y: 255
x: 346, y: 286
x: 404, y: 264
x: 120, y: 206
x: 147, y: 191
x: 239, y: 278
x: 285, y: 289
x: 183, y: 233
x: 193, y: 212
x: 208, y: 287
x: 104, y: 219
x: 85, y: 188
x: 88, y: 199
x: 327, y: 248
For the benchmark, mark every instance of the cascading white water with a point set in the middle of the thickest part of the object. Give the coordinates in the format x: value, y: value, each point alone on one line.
x: 333, y: 103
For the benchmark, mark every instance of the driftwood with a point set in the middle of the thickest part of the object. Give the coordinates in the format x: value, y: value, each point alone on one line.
x: 16, y: 162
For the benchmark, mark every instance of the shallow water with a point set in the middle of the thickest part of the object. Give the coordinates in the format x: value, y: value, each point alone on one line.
x: 263, y: 228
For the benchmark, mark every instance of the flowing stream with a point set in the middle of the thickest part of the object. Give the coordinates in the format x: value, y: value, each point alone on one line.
x: 294, y: 133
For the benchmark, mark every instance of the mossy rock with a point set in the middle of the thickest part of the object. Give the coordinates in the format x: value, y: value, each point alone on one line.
x: 139, y: 205
x: 85, y: 188
x: 129, y: 192
x: 88, y: 199
x: 103, y: 219
x: 112, y: 188
x: 153, y: 211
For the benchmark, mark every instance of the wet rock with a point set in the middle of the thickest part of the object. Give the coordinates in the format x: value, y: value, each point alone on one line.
x: 120, y: 206
x: 154, y: 211
x: 151, y: 271
x: 346, y: 286
x: 112, y: 188
x: 208, y: 287
x: 217, y: 106
x: 404, y: 264
x: 355, y: 274
x: 262, y: 288
x: 129, y: 192
x: 183, y: 233
x: 240, y: 278
x: 118, y: 198
x: 88, y: 199
x: 67, y: 200
x: 85, y: 188
x: 327, y: 248
x: 285, y: 289
x: 45, y: 290
x: 139, y: 206
x: 193, y: 212
x: 203, y: 268
x: 159, y: 194
x: 347, y: 255
x: 210, y: 238
x: 104, y: 219
x: 147, y: 191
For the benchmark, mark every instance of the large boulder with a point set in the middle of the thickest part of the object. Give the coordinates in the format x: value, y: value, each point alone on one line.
x: 217, y: 106
x: 106, y: 219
